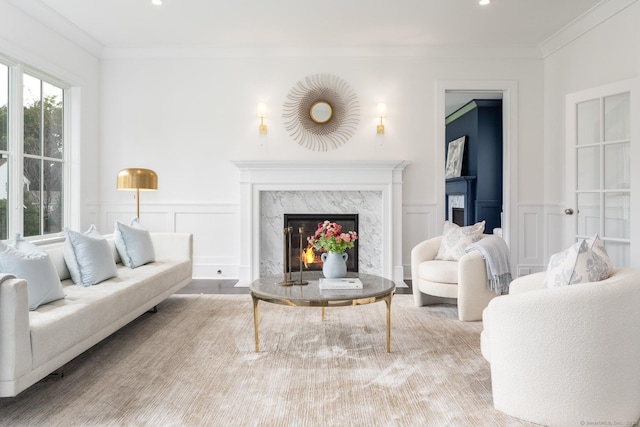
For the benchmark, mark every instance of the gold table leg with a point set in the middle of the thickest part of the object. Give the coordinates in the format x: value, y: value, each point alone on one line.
x: 255, y: 321
x: 388, y: 301
x: 322, y: 313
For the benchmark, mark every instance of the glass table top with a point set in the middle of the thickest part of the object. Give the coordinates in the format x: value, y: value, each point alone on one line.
x: 269, y: 288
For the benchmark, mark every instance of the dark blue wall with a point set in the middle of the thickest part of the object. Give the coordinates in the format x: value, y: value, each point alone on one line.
x: 482, y: 156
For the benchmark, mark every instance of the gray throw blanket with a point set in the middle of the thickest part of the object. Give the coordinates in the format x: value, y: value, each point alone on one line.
x: 495, y: 252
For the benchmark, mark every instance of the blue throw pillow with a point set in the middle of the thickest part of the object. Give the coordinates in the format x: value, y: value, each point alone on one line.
x: 26, y: 261
x: 133, y: 244
x: 88, y: 256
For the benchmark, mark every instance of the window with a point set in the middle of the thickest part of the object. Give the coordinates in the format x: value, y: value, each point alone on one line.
x: 32, y: 163
x: 4, y: 155
x: 42, y: 157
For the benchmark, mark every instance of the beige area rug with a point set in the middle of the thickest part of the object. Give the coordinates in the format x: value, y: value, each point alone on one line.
x: 193, y: 363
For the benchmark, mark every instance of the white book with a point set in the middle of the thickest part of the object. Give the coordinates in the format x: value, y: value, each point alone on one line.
x: 342, y: 283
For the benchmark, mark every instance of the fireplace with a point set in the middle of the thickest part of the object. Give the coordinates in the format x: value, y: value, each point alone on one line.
x: 309, y: 223
x: 270, y: 188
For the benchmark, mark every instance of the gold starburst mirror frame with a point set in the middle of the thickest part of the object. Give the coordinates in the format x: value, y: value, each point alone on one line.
x: 322, y: 112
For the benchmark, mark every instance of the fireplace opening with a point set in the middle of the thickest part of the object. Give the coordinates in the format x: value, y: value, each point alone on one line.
x: 457, y: 216
x: 309, y: 256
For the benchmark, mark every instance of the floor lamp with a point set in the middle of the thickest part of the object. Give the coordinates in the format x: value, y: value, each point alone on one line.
x: 137, y: 179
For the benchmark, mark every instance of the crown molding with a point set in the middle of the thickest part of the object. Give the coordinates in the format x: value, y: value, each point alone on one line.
x: 582, y: 24
x: 56, y: 22
x: 433, y: 52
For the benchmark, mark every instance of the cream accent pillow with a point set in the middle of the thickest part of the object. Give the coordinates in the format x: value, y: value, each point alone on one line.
x: 88, y: 257
x: 134, y: 244
x: 26, y: 261
x: 585, y: 261
x: 455, y: 239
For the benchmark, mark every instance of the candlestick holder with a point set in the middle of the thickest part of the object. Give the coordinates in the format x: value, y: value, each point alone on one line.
x: 286, y: 250
x: 300, y: 281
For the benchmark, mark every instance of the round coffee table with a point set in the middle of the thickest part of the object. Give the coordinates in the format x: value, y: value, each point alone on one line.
x: 374, y: 289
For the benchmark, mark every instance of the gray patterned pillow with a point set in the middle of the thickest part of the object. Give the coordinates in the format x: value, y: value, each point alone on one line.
x: 455, y: 239
x: 585, y: 261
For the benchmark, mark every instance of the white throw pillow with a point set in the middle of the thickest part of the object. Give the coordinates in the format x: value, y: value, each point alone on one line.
x: 133, y: 244
x: 585, y: 261
x: 455, y: 239
x: 88, y: 256
x: 26, y: 261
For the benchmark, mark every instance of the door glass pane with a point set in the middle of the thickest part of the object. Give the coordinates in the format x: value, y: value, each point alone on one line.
x: 31, y: 197
x: 52, y: 116
x: 589, y: 122
x: 32, y: 114
x: 589, y: 168
x: 620, y: 253
x: 588, y: 214
x: 617, y: 215
x: 4, y: 102
x: 52, y: 197
x: 617, y: 115
x: 617, y: 166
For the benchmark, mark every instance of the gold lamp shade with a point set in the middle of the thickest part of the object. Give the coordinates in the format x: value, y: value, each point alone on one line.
x: 137, y: 179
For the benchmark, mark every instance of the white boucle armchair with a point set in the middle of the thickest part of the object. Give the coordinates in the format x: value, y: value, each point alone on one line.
x: 566, y: 356
x: 465, y: 280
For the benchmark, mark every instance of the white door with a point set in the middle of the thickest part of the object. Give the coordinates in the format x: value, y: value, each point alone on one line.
x: 602, y: 151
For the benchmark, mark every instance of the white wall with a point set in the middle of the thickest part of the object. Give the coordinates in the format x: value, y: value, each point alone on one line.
x: 26, y: 41
x: 607, y: 53
x: 187, y: 117
x: 187, y: 113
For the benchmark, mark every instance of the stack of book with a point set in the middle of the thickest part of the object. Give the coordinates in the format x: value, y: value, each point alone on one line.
x: 342, y: 283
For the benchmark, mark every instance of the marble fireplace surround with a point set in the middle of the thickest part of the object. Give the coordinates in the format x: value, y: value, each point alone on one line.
x: 371, y: 179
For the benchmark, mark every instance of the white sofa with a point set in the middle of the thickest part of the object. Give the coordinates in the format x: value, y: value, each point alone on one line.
x: 35, y: 343
x: 465, y: 280
x: 566, y: 356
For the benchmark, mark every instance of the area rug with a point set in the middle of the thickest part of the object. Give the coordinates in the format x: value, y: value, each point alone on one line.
x: 193, y: 363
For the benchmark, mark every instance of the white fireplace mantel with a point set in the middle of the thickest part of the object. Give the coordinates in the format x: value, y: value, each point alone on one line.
x: 257, y: 176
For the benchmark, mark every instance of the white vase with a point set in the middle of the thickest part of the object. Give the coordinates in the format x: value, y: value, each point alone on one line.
x: 334, y: 264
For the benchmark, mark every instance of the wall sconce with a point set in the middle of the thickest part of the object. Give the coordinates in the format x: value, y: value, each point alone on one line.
x: 262, y: 113
x: 381, y: 111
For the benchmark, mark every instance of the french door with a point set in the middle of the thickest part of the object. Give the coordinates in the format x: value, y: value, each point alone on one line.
x: 602, y: 153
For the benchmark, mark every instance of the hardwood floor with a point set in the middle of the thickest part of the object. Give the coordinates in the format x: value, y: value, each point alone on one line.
x: 227, y: 286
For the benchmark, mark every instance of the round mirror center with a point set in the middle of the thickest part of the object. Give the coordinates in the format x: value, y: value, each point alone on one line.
x: 321, y: 112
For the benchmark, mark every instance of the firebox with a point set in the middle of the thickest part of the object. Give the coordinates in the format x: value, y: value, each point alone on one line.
x: 310, y: 257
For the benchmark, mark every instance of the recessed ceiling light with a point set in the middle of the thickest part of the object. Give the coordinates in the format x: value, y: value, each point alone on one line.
x: 157, y: 2
x: 481, y: 2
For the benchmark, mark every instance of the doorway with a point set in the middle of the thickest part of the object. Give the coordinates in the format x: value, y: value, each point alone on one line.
x: 450, y: 92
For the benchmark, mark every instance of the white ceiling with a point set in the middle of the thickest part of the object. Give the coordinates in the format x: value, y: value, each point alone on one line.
x: 301, y: 23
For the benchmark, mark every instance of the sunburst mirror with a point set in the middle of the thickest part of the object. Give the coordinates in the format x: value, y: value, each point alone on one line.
x: 321, y: 113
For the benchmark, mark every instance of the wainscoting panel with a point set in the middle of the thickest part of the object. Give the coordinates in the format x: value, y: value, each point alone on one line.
x: 419, y: 224
x: 531, y: 239
x: 215, y: 229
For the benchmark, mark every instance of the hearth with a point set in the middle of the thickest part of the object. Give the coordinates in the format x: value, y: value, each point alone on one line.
x: 309, y: 223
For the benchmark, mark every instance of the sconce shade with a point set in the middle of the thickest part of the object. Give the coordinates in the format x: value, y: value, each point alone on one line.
x: 137, y: 179
x: 381, y: 110
x: 262, y: 109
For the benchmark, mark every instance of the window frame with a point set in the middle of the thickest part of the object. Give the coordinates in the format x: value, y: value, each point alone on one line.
x: 15, y: 147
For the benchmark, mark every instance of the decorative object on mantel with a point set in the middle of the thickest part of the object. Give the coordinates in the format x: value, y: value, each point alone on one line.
x: 330, y: 238
x: 455, y: 154
x: 322, y: 112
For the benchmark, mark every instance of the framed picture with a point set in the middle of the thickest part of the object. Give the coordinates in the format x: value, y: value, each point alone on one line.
x: 455, y: 154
